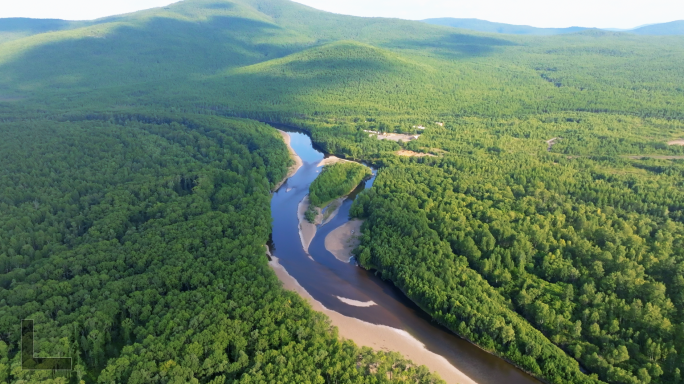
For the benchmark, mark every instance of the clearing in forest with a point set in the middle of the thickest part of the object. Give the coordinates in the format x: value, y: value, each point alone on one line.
x: 407, y: 153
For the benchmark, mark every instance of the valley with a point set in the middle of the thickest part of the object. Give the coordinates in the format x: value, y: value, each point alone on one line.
x: 536, y: 233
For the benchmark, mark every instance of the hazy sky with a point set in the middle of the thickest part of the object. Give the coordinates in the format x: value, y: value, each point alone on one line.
x: 539, y: 13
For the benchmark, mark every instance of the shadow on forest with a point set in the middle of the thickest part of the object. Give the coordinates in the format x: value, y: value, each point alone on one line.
x: 161, y: 48
x: 455, y: 45
x: 18, y: 24
x: 172, y: 56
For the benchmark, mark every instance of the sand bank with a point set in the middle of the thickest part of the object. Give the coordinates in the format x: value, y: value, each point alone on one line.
x: 378, y: 337
x: 307, y: 230
x: 332, y: 160
x: 298, y: 161
x: 675, y: 142
x: 332, y: 209
x: 342, y: 241
x: 356, y: 303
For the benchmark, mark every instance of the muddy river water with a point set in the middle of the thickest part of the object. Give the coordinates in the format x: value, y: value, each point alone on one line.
x: 335, y: 284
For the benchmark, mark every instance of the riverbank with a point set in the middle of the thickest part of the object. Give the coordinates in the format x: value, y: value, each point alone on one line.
x: 378, y: 337
x: 308, y: 230
x: 445, y: 325
x: 332, y: 160
x: 293, y: 155
x: 342, y: 241
x: 387, y: 310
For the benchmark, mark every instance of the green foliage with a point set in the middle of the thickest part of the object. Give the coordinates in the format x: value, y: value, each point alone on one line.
x: 488, y: 26
x: 134, y: 223
x: 522, y: 254
x: 136, y: 243
x: 671, y: 28
x: 310, y: 214
x: 17, y: 28
x: 336, y: 180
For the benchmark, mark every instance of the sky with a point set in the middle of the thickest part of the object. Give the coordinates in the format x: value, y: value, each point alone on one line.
x: 539, y: 13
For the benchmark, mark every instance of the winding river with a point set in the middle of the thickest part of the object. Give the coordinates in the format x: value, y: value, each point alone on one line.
x: 335, y: 284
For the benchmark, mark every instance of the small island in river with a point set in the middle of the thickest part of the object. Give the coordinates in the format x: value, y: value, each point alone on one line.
x: 326, y: 194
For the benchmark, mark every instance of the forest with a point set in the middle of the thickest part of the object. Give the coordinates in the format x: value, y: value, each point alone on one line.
x: 541, y: 259
x: 546, y: 226
x: 137, y: 246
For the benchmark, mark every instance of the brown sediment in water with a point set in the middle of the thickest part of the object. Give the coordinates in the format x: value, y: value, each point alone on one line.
x: 342, y: 241
x: 378, y: 337
x: 298, y: 161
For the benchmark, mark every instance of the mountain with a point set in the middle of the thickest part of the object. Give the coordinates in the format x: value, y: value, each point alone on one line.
x: 16, y: 28
x: 491, y: 27
x: 671, y: 28
x: 136, y: 189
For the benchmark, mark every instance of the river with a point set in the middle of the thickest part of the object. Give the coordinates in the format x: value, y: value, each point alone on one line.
x: 327, y: 279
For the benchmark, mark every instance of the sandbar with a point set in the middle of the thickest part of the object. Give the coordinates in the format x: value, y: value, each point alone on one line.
x: 342, y: 241
x: 298, y: 160
x: 356, y: 303
x: 378, y: 337
x: 332, y: 160
x: 307, y: 230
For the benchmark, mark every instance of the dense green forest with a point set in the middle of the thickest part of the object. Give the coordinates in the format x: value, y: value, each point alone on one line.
x: 336, y: 180
x: 137, y: 246
x: 523, y: 254
x: 135, y: 193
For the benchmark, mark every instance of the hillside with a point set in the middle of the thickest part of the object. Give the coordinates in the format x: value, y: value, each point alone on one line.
x: 548, y: 228
x: 17, y: 28
x: 662, y: 29
x: 491, y: 27
x: 671, y: 28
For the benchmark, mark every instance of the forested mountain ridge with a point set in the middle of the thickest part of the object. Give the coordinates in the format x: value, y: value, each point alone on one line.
x: 488, y: 26
x: 662, y: 29
x: 18, y: 27
x: 671, y: 28
x: 547, y: 252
